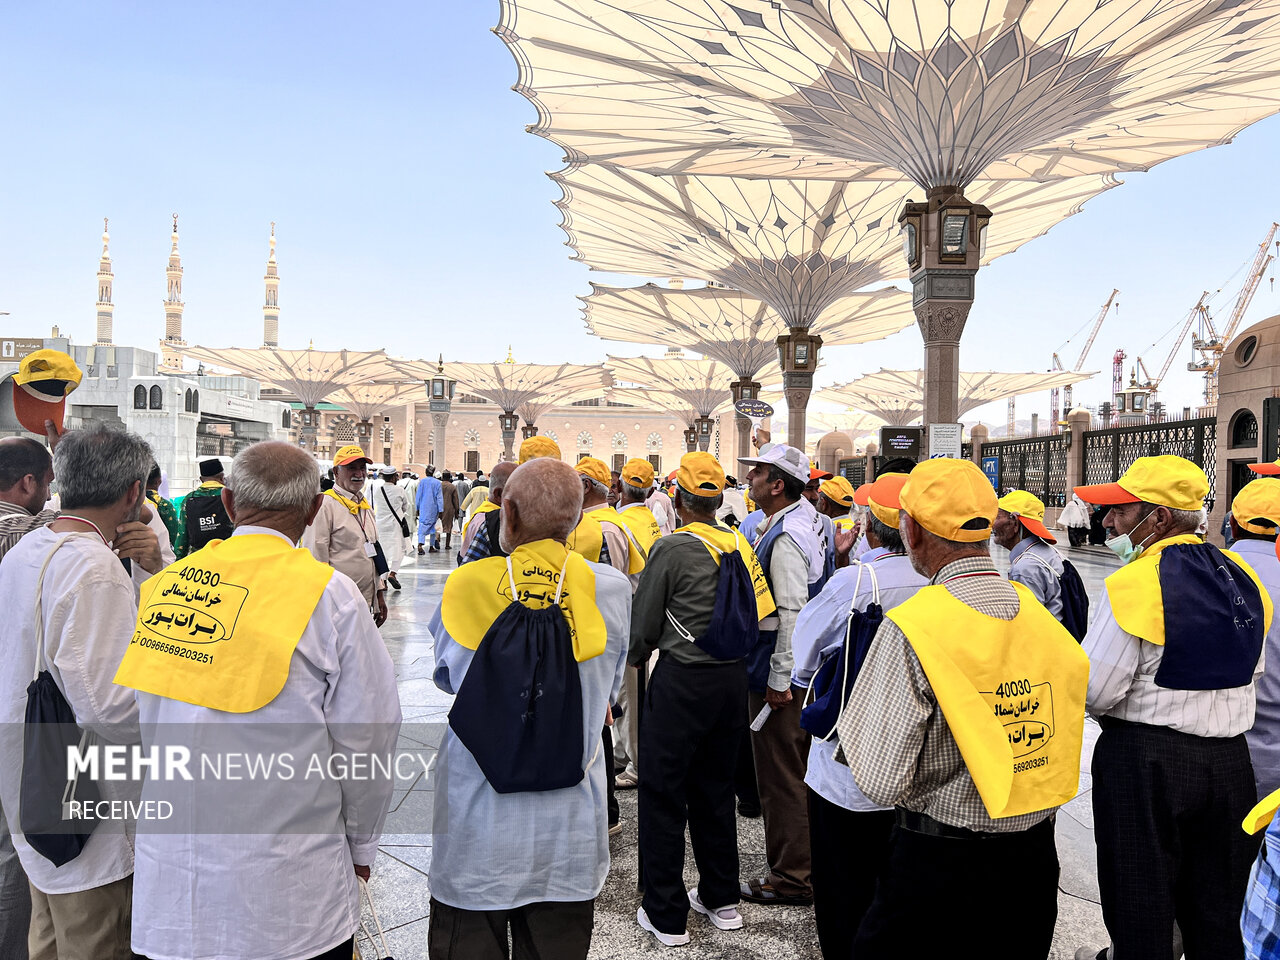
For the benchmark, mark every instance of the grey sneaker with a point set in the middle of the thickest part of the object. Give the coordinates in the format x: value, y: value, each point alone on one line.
x: 725, y: 918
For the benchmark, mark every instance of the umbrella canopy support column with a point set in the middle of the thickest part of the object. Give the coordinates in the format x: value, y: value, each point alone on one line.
x: 690, y: 439
x: 529, y: 430
x: 310, y: 429
x: 943, y: 241
x: 798, y: 357
x: 508, y: 421
x: 743, y: 389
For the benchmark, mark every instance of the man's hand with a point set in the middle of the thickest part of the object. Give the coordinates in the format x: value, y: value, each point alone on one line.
x: 761, y: 437
x: 608, y: 715
x: 777, y: 698
x: 136, y: 541
x: 845, y: 539
x: 380, y: 617
x: 52, y: 434
x: 362, y: 871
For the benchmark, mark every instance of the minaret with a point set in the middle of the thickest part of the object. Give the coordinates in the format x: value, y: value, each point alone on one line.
x: 106, y: 309
x: 170, y: 347
x: 271, y: 305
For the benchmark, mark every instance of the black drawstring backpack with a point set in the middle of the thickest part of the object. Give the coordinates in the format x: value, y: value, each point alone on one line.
x: 49, y: 732
x: 519, y: 709
x: 735, y: 626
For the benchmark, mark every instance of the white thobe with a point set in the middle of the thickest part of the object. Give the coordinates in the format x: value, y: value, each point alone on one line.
x: 89, y: 613
x: 287, y: 890
x: 389, y: 501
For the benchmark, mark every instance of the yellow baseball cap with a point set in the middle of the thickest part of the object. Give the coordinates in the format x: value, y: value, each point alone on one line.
x: 638, y: 473
x: 837, y: 489
x: 350, y: 454
x: 700, y: 474
x: 597, y: 470
x: 884, y: 499
x: 1029, y: 510
x: 40, y: 388
x: 537, y: 447
x: 1256, y: 507
x: 1166, y: 481
x: 951, y: 499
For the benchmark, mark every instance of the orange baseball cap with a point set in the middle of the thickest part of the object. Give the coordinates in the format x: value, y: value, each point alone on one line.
x: 1266, y: 469
x: 884, y: 499
x: 350, y: 454
x: 860, y: 495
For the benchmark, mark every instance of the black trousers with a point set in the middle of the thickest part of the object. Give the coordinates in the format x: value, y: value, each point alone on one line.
x: 609, y: 774
x: 995, y: 895
x: 1167, y: 808
x: 693, y: 721
x: 849, y: 852
x: 537, y: 931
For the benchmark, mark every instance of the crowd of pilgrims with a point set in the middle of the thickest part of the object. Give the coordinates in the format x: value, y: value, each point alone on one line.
x: 849, y: 664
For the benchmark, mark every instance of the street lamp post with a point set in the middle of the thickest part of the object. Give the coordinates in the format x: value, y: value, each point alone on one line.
x: 508, y: 421
x: 690, y: 439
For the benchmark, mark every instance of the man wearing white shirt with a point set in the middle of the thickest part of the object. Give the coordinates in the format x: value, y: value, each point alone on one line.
x: 267, y: 866
x: 82, y: 908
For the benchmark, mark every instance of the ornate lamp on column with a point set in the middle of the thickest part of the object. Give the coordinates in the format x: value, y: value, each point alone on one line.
x: 528, y: 430
x: 441, y: 390
x: 508, y: 422
x: 690, y: 439
x: 943, y: 240
x: 704, y: 427
x: 798, y: 357
x: 743, y: 389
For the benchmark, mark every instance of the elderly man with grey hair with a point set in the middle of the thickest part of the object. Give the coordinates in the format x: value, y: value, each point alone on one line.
x: 521, y: 843
x: 67, y: 575
x: 320, y: 689
x: 480, y: 535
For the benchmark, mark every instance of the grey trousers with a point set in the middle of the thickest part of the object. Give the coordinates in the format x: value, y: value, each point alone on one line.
x: 15, y: 899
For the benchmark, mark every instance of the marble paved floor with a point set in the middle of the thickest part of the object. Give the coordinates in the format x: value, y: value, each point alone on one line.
x: 778, y: 933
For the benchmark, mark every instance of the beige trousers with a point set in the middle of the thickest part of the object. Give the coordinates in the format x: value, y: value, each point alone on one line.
x: 92, y: 924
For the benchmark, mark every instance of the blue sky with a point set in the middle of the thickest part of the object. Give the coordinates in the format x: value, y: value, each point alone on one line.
x: 413, y: 214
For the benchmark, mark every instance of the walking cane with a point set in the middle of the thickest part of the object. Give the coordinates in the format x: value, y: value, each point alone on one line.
x: 641, y: 677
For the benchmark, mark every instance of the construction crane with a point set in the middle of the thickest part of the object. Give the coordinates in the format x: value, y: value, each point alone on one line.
x: 1211, y: 347
x: 1054, y: 410
x: 1152, y: 384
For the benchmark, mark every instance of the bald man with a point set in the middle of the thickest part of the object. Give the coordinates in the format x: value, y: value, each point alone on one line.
x: 480, y: 535
x: 537, y: 884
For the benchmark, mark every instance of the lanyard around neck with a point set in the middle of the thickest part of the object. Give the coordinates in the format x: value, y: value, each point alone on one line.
x: 96, y: 528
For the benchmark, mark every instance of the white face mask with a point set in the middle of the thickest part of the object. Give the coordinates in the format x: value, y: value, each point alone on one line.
x: 1123, y: 547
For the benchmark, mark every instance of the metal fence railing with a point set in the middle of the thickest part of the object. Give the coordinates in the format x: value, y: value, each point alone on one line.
x: 1035, y: 464
x: 1108, y: 453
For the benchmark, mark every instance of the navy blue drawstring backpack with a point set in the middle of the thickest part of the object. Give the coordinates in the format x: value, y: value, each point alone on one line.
x: 519, y: 709
x: 735, y: 625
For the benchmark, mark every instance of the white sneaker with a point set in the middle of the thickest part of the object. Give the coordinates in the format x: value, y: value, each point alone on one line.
x: 666, y: 939
x: 726, y: 918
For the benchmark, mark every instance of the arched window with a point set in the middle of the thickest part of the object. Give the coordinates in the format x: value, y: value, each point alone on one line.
x: 584, y: 442
x: 551, y: 435
x: 286, y: 419
x: 619, y: 442
x: 471, y: 439
x: 139, y: 397
x: 186, y: 401
x: 344, y: 431
x: 157, y: 398
x: 654, y: 442
x: 388, y: 433
x: 195, y: 401
x: 1244, y: 429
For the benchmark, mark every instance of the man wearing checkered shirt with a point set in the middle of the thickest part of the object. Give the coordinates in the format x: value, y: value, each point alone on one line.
x: 972, y: 847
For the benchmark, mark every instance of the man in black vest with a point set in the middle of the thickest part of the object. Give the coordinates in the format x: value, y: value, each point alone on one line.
x: 203, y: 517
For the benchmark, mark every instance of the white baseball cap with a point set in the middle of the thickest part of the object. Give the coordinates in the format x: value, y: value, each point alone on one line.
x: 787, y: 459
x: 386, y: 470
